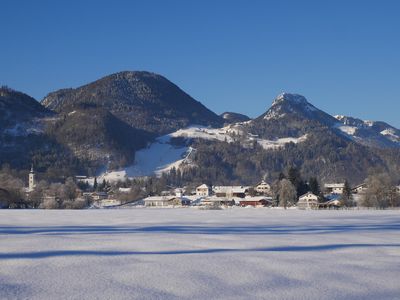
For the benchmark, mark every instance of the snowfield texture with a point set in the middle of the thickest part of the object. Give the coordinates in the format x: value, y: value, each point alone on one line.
x: 161, y: 156
x: 195, y: 254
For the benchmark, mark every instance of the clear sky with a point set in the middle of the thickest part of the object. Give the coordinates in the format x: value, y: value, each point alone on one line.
x: 344, y: 56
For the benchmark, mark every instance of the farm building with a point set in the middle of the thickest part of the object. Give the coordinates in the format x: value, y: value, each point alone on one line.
x: 255, y: 201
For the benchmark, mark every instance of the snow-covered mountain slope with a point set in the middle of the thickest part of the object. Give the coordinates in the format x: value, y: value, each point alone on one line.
x: 292, y: 113
x: 164, y: 154
x: 370, y: 133
x: 291, y: 119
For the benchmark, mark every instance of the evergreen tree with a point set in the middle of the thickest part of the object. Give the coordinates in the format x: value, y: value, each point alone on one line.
x: 314, y: 186
x: 347, y: 197
x: 95, y: 183
x: 294, y: 177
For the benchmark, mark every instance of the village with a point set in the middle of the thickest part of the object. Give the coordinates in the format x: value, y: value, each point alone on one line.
x: 260, y: 195
x: 76, y: 193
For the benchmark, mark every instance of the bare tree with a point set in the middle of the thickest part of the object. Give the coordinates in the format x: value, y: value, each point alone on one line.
x: 287, y: 193
x: 379, y: 190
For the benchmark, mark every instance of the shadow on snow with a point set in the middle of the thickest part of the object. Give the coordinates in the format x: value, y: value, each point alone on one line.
x: 66, y: 253
x: 184, y: 229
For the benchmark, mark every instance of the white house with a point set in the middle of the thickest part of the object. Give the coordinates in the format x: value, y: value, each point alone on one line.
x: 216, y: 201
x: 334, y: 188
x: 263, y: 188
x: 203, y: 190
x: 308, y: 201
x: 107, y: 203
x: 231, y: 191
x: 161, y: 201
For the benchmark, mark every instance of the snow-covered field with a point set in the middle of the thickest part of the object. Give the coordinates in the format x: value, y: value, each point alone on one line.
x: 194, y: 254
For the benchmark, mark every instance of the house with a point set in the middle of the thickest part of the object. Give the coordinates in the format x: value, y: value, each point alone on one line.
x: 359, y: 189
x: 162, y: 201
x: 203, y: 190
x: 263, y: 188
x: 124, y: 190
x: 333, y: 203
x: 178, y: 192
x: 99, y: 196
x: 334, y: 188
x: 255, y: 201
x: 231, y: 191
x: 308, y: 201
x: 217, y: 201
x: 107, y: 202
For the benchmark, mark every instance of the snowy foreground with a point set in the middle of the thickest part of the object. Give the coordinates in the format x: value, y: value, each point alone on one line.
x: 190, y: 253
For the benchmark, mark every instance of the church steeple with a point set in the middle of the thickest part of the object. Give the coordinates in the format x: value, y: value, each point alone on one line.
x: 32, y: 183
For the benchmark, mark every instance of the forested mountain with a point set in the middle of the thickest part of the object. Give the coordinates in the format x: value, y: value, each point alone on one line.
x: 313, y: 141
x: 143, y: 100
x: 105, y: 124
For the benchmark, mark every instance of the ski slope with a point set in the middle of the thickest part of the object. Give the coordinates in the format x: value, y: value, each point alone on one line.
x: 162, y: 155
x: 239, y: 253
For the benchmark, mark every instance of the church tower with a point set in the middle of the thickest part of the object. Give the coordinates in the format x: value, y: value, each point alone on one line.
x: 32, y: 182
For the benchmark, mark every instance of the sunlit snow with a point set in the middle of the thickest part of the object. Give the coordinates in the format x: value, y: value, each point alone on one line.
x: 239, y: 253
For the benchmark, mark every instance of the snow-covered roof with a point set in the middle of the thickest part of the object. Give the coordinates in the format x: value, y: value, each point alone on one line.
x: 203, y: 186
x: 159, y: 198
x: 307, y: 194
x: 255, y: 198
x: 230, y: 189
x: 334, y: 185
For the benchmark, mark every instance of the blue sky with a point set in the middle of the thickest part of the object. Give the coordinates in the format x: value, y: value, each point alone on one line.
x: 230, y: 55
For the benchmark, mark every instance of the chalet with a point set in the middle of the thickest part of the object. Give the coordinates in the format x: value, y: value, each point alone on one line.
x: 231, y: 191
x: 217, y: 201
x: 99, y: 196
x: 107, y: 203
x: 333, y: 203
x: 263, y: 188
x: 255, y: 201
x: 203, y: 190
x: 124, y: 190
x: 334, y: 188
x: 162, y: 201
x: 359, y: 189
x: 178, y: 192
x: 308, y: 201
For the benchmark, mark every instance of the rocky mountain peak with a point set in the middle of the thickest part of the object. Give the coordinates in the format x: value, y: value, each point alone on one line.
x: 290, y: 98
